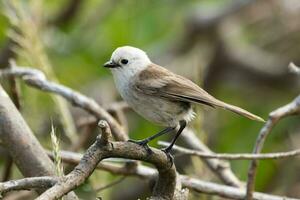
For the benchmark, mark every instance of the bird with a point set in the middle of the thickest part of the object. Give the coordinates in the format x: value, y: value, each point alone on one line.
x: 159, y: 95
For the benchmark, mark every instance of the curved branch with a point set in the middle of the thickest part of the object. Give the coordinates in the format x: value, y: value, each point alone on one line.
x: 149, y: 173
x: 36, y: 78
x: 287, y: 110
x: 19, y: 140
x: 103, y: 148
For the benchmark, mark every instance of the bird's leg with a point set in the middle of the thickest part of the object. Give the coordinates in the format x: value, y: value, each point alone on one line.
x: 167, y: 150
x: 144, y: 142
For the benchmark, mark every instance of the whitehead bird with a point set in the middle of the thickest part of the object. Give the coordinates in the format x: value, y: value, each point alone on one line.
x: 158, y: 94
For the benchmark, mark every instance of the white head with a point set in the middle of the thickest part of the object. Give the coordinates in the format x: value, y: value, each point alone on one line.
x: 127, y: 60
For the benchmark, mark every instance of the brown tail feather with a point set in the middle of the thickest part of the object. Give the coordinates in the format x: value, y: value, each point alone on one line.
x: 239, y: 111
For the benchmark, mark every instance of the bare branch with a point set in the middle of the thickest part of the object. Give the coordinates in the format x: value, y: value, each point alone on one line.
x: 220, y: 167
x: 139, y: 171
x: 105, y: 132
x: 191, y: 183
x: 228, y: 156
x: 226, y: 191
x: 119, y: 105
x: 21, y: 143
x: 36, y: 78
x: 101, y: 188
x: 42, y: 182
x: 287, y: 110
x: 167, y: 181
x: 145, y: 172
x: 103, y: 148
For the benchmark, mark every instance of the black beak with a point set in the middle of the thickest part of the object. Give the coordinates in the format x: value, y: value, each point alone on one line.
x: 111, y: 64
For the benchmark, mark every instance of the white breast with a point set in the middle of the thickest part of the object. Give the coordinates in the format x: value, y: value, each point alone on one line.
x: 122, y: 81
x: 154, y: 109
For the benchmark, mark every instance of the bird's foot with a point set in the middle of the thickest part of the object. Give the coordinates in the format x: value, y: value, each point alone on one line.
x: 167, y: 151
x: 143, y: 143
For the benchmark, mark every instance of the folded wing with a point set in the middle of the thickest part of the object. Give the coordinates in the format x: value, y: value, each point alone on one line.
x: 158, y: 81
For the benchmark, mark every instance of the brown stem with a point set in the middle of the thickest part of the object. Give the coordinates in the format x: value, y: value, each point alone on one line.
x: 103, y: 148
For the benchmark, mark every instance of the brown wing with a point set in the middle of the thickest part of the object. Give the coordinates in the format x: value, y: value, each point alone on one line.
x: 158, y: 81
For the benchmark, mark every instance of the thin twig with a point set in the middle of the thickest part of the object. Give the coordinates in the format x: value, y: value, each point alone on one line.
x: 228, y: 156
x: 226, y: 191
x: 220, y: 167
x: 36, y: 78
x: 101, y: 188
x: 287, y: 110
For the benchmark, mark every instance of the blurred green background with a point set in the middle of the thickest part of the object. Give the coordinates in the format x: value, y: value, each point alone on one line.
x: 237, y: 50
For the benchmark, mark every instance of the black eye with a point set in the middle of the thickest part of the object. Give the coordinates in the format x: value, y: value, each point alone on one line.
x: 124, y: 61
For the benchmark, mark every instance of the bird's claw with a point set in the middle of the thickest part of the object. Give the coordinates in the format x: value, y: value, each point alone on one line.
x: 143, y: 143
x: 169, y: 155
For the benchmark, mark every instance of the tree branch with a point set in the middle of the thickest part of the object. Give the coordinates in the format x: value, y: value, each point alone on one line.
x: 104, y: 148
x: 220, y: 167
x: 150, y: 173
x: 42, y: 182
x: 226, y: 191
x: 287, y: 110
x: 36, y: 78
x: 165, y: 187
x: 194, y: 184
x: 115, y: 182
x: 236, y: 156
x: 20, y: 142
